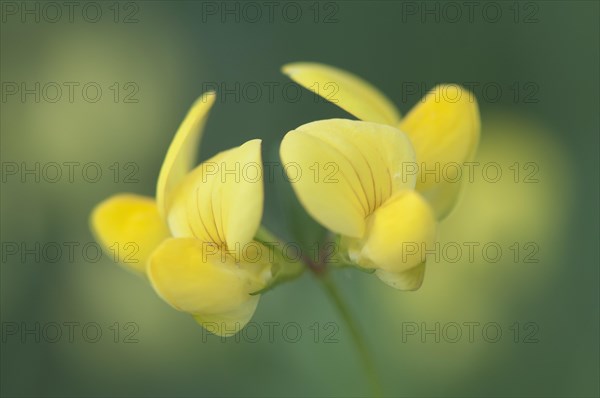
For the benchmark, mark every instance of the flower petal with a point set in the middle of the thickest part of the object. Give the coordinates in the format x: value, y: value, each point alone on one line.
x: 197, y: 277
x: 242, y: 194
x: 342, y: 170
x: 444, y: 128
x: 344, y: 89
x: 181, y: 155
x: 130, y: 227
x: 407, y: 280
x: 192, y: 213
x: 229, y: 323
x: 398, y: 233
x: 221, y: 201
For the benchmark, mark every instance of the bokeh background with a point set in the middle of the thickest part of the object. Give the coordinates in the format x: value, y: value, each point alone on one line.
x: 544, y: 57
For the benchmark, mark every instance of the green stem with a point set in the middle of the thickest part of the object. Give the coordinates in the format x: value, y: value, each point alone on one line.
x: 357, y: 336
x: 321, y: 272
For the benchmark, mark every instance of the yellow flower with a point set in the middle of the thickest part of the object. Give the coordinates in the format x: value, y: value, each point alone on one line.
x: 443, y: 127
x: 195, y: 242
x: 381, y: 196
x: 364, y: 196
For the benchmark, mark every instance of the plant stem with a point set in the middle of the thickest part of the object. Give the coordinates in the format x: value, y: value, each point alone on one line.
x: 319, y: 268
x: 359, y: 341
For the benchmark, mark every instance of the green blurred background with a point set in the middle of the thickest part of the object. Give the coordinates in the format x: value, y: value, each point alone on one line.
x: 544, y: 56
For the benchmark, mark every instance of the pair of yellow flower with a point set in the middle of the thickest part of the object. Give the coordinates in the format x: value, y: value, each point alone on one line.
x: 192, y: 238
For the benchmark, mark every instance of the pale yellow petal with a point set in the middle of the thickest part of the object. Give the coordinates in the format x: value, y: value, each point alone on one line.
x: 332, y: 199
x: 192, y: 212
x: 242, y: 193
x: 342, y: 170
x: 181, y: 155
x: 377, y: 152
x: 442, y: 196
x: 344, y: 89
x: 221, y: 201
x: 129, y: 227
x: 444, y: 129
x: 196, y: 277
x: 229, y: 323
x: 407, y: 280
x: 398, y: 235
